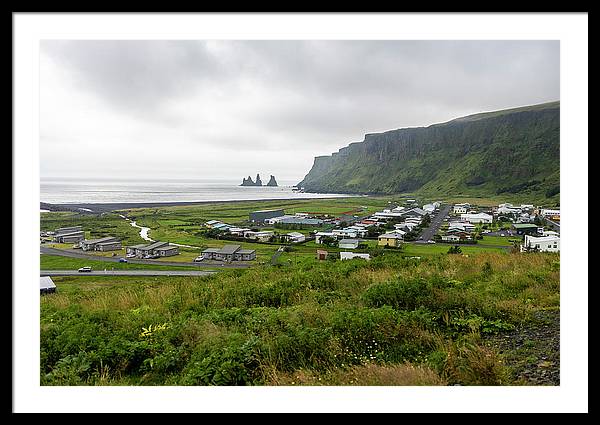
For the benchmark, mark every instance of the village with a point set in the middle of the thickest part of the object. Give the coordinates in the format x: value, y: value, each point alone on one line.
x: 351, y: 235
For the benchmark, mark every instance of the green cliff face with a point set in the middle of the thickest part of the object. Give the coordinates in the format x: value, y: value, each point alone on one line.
x: 514, y: 151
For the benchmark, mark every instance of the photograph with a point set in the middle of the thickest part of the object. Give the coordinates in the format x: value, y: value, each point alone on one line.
x: 300, y: 213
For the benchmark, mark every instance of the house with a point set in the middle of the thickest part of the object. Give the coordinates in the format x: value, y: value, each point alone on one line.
x: 414, y: 212
x: 429, y: 208
x: 460, y: 233
x: 295, y: 237
x: 349, y: 243
x: 68, y: 234
x: 474, y: 218
x: 542, y: 244
x: 321, y: 254
x: 166, y: 250
x: 238, y: 231
x: 222, y: 226
x: 461, y: 208
x: 508, y: 210
x: 461, y: 225
x: 527, y: 229
x: 262, y: 215
x: 163, y: 249
x: 320, y: 235
x: 551, y: 214
x: 390, y: 239
x: 451, y: 238
x: 211, y: 223
x: 360, y: 231
x: 344, y: 233
x: 550, y: 233
x: 92, y: 244
x: 262, y: 236
x: 350, y: 255
x: 47, y: 286
x: 229, y: 253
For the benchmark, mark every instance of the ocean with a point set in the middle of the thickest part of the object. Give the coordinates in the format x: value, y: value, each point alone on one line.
x: 80, y: 191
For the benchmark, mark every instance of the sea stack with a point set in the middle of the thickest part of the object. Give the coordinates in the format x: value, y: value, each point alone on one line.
x: 272, y: 181
x: 258, y: 181
x: 247, y: 182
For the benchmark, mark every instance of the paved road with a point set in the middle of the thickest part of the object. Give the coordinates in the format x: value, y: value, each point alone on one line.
x: 436, y: 222
x: 77, y: 254
x: 127, y: 273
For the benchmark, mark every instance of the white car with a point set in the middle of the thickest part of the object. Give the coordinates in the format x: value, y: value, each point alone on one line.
x: 430, y: 241
x: 199, y: 258
x: 85, y: 269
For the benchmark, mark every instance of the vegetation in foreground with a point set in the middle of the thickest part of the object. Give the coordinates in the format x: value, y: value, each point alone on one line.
x: 389, y: 321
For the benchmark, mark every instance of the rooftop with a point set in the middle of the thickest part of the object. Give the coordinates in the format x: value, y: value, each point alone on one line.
x: 46, y: 282
x: 229, y: 249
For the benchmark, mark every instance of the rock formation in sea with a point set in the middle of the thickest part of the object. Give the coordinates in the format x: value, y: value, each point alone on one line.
x: 272, y: 181
x: 248, y: 182
x: 258, y: 181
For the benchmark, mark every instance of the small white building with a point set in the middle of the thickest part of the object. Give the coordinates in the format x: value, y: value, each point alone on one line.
x: 461, y: 208
x: 464, y: 226
x: 349, y: 243
x: 320, y: 235
x: 47, y: 286
x: 542, y: 244
x: 451, y: 238
x: 263, y: 236
x: 429, y: 208
x: 350, y: 255
x: 295, y: 237
x: 552, y: 214
x: 475, y: 218
x: 344, y: 233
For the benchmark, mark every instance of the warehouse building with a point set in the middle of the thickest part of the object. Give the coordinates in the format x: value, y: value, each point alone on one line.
x: 262, y: 215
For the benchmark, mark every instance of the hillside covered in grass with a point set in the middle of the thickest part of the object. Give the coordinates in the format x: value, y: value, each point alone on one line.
x: 513, y: 152
x: 389, y: 321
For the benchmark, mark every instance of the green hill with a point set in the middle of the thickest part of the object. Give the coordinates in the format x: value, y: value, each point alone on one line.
x: 513, y: 153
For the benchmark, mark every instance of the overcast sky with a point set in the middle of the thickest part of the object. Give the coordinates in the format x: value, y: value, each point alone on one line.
x: 229, y: 109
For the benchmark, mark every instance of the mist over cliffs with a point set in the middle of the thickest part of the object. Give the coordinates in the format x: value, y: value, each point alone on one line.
x: 513, y: 151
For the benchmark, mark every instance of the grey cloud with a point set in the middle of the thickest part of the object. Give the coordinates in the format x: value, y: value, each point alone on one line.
x: 279, y: 97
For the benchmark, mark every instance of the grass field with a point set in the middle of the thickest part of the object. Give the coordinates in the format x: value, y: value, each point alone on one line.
x: 388, y: 321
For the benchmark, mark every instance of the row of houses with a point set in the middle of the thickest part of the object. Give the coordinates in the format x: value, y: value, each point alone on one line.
x: 76, y: 235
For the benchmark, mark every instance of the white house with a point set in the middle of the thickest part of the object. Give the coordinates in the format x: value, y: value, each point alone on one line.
x: 451, y: 238
x: 550, y: 233
x: 476, y: 218
x: 542, y: 244
x: 461, y: 225
x: 320, y: 235
x: 429, y: 208
x: 552, y: 214
x: 263, y: 236
x: 350, y: 255
x: 349, y: 243
x: 360, y: 231
x: 295, y: 237
x: 508, y: 210
x: 461, y: 208
x: 344, y: 233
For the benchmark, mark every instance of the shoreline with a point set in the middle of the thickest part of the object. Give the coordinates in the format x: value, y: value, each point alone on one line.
x: 116, y: 206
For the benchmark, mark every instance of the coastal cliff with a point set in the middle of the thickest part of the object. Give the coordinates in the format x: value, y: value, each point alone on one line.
x: 511, y: 151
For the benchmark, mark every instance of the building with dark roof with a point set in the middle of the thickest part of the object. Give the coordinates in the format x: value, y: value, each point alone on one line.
x: 229, y: 253
x: 262, y: 215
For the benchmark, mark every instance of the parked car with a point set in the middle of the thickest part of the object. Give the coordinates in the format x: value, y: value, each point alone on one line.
x: 122, y: 260
x: 76, y: 246
x: 199, y: 258
x: 130, y: 255
x: 85, y: 269
x: 430, y: 241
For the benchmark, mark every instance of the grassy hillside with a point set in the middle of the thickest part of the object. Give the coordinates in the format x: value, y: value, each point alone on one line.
x: 390, y: 321
x: 514, y: 152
